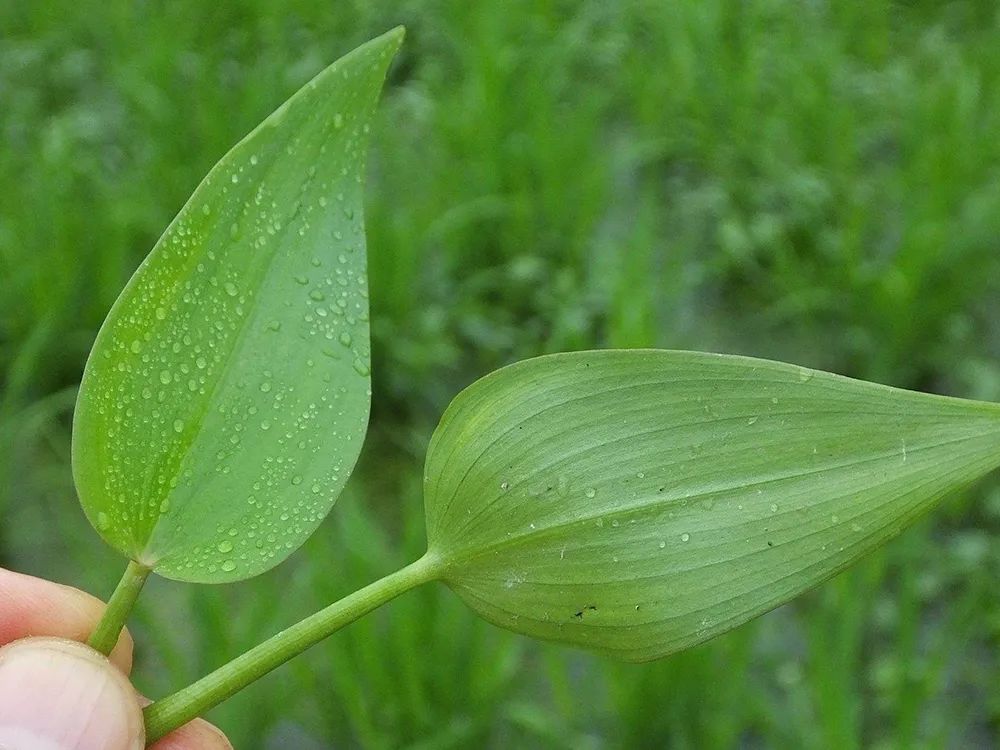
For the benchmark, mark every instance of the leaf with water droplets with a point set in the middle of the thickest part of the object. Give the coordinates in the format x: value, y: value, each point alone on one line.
x: 640, y: 502
x: 226, y: 398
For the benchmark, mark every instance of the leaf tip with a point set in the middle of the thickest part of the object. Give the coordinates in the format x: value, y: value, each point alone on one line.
x: 397, y: 34
x: 390, y: 42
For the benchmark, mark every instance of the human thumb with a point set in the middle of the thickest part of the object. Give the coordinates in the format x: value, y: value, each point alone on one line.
x: 57, y: 694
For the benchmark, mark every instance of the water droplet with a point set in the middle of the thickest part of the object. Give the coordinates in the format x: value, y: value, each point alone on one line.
x: 265, y: 386
x: 774, y: 507
x: 265, y: 425
x: 225, y: 546
x: 296, y: 480
x: 200, y: 363
x: 234, y: 230
x: 590, y: 492
x: 338, y: 120
x: 504, y: 486
x: 103, y: 522
x: 178, y: 425
x: 317, y: 295
x: 165, y: 505
x: 345, y: 338
x: 165, y: 377
x: 361, y: 368
x: 228, y: 565
x: 230, y: 288
x: 663, y: 545
x: 315, y: 489
x: 685, y: 536
x: 253, y: 159
x: 160, y: 313
x: 135, y: 347
x: 274, y: 325
x: 301, y: 280
x: 805, y: 374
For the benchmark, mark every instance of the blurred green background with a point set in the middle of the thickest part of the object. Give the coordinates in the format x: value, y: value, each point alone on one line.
x: 810, y: 181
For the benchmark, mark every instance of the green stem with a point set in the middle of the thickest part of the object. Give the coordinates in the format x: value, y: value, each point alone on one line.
x: 105, y: 635
x: 168, y: 713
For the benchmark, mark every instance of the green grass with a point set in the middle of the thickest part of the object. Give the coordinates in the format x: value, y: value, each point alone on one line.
x: 816, y: 182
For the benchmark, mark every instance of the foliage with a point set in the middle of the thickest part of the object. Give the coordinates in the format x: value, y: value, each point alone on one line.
x: 226, y: 399
x: 604, y: 207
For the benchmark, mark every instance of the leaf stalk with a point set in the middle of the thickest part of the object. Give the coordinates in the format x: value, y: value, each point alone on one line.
x: 168, y: 713
x: 106, y: 634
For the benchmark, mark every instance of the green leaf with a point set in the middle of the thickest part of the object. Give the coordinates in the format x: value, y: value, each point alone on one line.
x: 226, y: 399
x: 639, y: 502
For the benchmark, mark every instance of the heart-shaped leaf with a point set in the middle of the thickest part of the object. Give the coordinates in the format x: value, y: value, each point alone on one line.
x: 226, y: 398
x: 639, y: 502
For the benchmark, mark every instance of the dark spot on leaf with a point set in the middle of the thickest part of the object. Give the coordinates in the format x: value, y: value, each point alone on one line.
x: 589, y: 607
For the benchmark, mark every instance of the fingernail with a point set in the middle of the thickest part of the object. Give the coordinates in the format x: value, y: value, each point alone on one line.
x: 61, y: 695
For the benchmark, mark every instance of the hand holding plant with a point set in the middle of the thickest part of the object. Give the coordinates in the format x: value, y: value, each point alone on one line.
x: 56, y: 692
x: 630, y: 502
